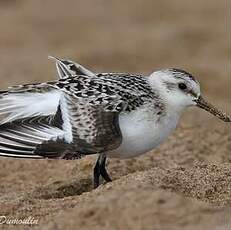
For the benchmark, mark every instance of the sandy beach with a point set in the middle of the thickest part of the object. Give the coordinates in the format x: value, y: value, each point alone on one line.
x: 186, y: 182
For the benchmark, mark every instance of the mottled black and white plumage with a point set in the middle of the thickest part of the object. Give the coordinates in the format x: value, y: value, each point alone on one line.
x: 68, y: 68
x: 81, y: 113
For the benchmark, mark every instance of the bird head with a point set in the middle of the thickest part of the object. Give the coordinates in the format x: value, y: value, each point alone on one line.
x: 179, y: 89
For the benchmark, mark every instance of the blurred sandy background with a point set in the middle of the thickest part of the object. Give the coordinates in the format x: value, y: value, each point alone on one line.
x: 186, y: 183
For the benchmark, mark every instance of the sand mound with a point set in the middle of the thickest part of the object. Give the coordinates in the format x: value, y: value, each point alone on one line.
x: 186, y: 183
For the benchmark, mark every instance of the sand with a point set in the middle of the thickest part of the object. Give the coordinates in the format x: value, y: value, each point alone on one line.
x: 186, y: 182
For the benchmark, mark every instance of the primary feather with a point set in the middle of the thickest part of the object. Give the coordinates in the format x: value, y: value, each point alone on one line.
x: 21, y: 138
x: 27, y: 101
x: 68, y: 68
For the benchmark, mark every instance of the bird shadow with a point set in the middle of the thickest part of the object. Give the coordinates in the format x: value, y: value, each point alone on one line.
x: 62, y: 189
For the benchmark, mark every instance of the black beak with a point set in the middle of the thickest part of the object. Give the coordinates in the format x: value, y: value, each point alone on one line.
x: 201, y: 103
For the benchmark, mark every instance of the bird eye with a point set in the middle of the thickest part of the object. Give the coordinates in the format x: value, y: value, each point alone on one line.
x: 182, y: 86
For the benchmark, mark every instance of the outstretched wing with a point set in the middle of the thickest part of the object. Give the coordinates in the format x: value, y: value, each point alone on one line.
x: 35, y: 126
x: 23, y: 138
x: 29, y: 118
x: 68, y: 68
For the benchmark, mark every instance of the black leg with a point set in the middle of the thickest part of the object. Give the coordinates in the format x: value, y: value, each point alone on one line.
x: 96, y: 174
x: 103, y: 170
x: 100, y: 169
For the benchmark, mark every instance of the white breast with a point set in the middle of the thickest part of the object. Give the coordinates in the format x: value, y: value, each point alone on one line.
x: 142, y: 130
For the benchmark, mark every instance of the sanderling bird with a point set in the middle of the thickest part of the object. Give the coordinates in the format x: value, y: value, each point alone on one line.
x: 110, y: 114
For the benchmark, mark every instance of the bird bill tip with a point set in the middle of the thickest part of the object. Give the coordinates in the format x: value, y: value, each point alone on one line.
x: 203, y: 104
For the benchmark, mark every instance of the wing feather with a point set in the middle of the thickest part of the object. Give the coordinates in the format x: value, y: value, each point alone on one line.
x: 22, y: 138
x: 68, y: 68
x: 90, y: 128
x: 17, y: 104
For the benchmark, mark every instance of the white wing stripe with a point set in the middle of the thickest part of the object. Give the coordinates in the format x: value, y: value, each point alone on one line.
x: 22, y: 156
x: 11, y: 118
x: 25, y: 134
x: 17, y: 147
x: 27, y: 104
x: 18, y: 139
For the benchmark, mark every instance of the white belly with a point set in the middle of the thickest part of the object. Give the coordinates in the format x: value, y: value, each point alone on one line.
x: 142, y: 131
